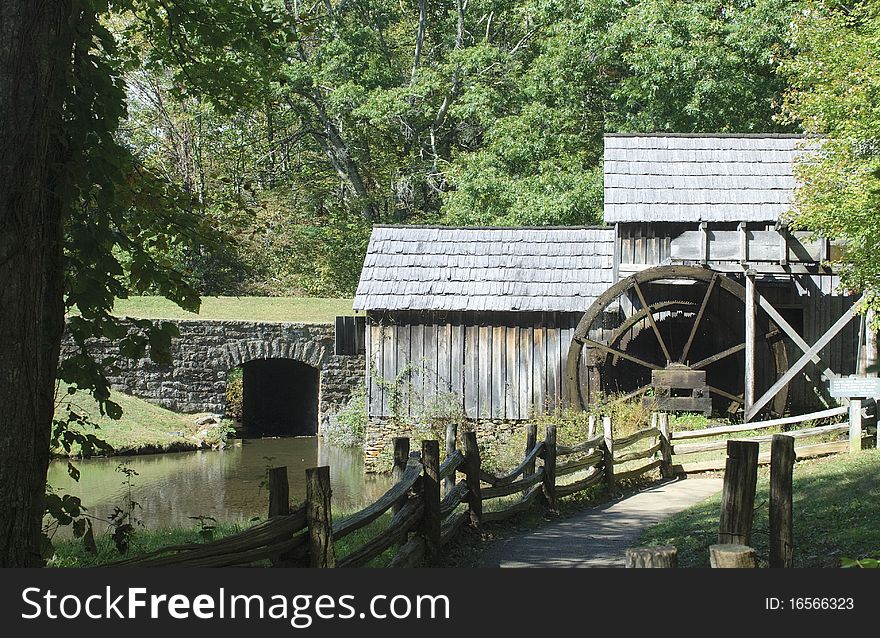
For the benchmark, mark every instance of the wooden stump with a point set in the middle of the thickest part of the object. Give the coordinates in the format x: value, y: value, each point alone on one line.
x: 732, y: 556
x: 279, y: 492
x: 431, y: 495
x: 322, y: 553
x: 647, y: 557
x: 549, y: 485
x: 738, y: 497
x: 782, y: 457
x: 472, y: 475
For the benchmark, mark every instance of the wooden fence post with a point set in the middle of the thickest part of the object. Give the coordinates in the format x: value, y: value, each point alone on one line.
x: 431, y: 495
x: 531, y: 442
x: 782, y: 457
x: 855, y: 425
x: 451, y: 442
x: 608, y: 450
x: 665, y: 446
x: 401, y: 457
x: 322, y: 553
x: 550, y: 466
x: 591, y: 426
x: 279, y: 492
x: 659, y: 556
x: 727, y: 555
x: 472, y: 475
x: 738, y: 497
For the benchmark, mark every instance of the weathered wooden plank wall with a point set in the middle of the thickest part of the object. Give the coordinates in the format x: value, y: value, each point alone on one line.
x: 493, y: 365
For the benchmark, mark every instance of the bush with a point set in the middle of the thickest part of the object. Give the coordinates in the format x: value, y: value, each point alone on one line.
x: 234, y: 387
x: 348, y: 427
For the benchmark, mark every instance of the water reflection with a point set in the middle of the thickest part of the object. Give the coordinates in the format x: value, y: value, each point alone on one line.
x: 226, y: 485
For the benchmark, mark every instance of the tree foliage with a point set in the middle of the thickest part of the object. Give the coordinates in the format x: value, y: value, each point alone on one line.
x: 835, y: 83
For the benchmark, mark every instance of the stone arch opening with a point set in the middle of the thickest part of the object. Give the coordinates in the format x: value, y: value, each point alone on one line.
x: 280, y: 398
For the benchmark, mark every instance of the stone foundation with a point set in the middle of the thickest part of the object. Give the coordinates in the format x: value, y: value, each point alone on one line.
x: 379, y: 439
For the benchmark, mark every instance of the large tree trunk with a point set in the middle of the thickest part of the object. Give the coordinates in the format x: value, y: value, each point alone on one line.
x: 35, y: 42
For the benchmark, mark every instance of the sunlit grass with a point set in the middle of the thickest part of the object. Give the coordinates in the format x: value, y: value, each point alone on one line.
x: 288, y: 309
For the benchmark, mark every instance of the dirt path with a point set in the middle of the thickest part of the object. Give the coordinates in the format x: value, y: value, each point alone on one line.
x: 599, y: 536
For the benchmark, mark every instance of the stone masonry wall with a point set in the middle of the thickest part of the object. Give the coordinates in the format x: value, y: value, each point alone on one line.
x: 207, y: 350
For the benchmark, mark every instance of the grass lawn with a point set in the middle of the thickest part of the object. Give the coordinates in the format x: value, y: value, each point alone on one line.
x: 144, y: 427
x: 292, y: 309
x: 836, y: 515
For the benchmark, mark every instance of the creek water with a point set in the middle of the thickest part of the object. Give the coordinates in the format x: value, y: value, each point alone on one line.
x: 171, y: 488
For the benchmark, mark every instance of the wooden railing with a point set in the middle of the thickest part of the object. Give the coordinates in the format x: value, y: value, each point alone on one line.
x: 724, y: 433
x: 422, y: 520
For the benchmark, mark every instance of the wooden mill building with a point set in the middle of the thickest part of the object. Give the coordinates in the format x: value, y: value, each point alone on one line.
x: 694, y: 292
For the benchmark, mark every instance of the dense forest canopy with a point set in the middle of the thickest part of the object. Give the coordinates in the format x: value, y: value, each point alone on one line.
x: 347, y: 114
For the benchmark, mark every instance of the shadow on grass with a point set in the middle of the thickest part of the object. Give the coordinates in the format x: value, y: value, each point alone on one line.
x: 836, y: 506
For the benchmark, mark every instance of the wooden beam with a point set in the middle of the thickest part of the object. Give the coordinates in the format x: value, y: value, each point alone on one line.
x: 792, y: 334
x: 799, y: 365
x: 704, y: 243
x: 743, y: 243
x: 698, y: 318
x: 870, y: 344
x: 650, y: 315
x: 749, y: 395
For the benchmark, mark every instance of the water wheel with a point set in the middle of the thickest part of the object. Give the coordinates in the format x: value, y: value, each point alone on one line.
x: 677, y: 332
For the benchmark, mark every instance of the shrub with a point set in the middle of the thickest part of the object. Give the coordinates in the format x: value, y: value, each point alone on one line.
x: 348, y: 427
x: 234, y: 386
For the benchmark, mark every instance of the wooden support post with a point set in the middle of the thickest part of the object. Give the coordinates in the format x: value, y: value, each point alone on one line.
x: 871, y: 354
x: 660, y: 556
x: 732, y: 556
x: 472, y: 476
x: 855, y: 425
x: 591, y: 426
x: 749, y: 394
x: 531, y: 442
x: 279, y: 492
x: 704, y: 243
x: 451, y: 442
x: 401, y: 457
x: 743, y: 243
x: 319, y: 517
x: 738, y: 497
x: 550, y: 466
x: 781, y: 466
x: 608, y: 449
x: 665, y: 446
x: 431, y: 495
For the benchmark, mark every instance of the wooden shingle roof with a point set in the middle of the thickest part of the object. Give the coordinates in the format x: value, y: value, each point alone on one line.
x: 691, y: 178
x: 492, y: 269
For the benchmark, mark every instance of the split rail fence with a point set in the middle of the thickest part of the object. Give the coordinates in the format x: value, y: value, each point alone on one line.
x: 809, y: 440
x: 429, y: 503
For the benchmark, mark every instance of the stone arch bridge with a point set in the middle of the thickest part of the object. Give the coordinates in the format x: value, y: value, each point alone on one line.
x: 293, y: 363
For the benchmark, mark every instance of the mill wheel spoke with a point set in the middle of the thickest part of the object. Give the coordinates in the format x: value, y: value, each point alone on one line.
x: 698, y: 319
x: 618, y: 353
x: 650, y: 315
x: 725, y: 394
x: 718, y: 357
x: 629, y: 395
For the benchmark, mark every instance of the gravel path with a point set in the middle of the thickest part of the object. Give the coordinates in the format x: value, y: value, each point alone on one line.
x: 599, y: 536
